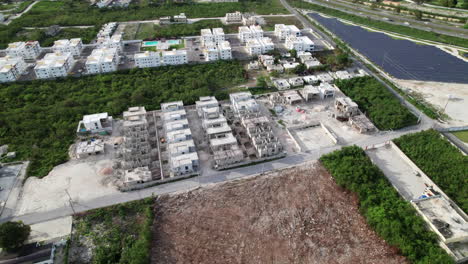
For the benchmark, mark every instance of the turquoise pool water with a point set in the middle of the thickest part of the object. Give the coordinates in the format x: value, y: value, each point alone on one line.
x: 173, y: 41
x: 150, y: 43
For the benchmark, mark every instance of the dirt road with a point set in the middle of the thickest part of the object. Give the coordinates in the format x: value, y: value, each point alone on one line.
x: 296, y: 216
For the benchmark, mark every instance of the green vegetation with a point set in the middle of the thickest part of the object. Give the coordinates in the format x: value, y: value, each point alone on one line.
x: 120, y: 233
x: 13, y: 235
x: 38, y: 119
x: 394, y: 219
x: 373, y: 98
x: 441, y: 161
x: 80, y: 12
x: 462, y: 135
x: 151, y: 31
x: 404, y: 30
x: 22, y: 6
x: 287, y: 20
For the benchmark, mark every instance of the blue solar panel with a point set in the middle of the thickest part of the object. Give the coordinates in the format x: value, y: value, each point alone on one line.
x: 403, y: 59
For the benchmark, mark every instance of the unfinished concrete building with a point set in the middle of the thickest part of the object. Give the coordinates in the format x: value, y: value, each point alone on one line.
x: 287, y: 97
x: 136, y: 176
x: 362, y: 124
x: 222, y: 142
x: 261, y: 134
x: 310, y: 92
x: 183, y: 157
x: 136, y: 149
x: 256, y: 125
x: 345, y: 108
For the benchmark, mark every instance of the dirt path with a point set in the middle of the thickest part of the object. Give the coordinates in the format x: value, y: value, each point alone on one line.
x: 297, y: 216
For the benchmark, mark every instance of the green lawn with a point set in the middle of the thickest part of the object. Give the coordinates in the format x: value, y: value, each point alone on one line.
x: 462, y: 135
x: 287, y: 20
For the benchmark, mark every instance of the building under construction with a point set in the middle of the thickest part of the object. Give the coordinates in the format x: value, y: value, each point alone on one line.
x: 223, y: 144
x: 257, y: 125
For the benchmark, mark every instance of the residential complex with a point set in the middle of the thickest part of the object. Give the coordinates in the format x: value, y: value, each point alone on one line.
x: 54, y: 65
x: 282, y: 31
x: 259, y: 46
x: 102, y: 60
x: 235, y: 17
x: 183, y: 158
x: 73, y: 46
x: 11, y: 68
x: 215, y: 35
x: 174, y: 57
x: 213, y: 52
x: 148, y: 59
x: 95, y: 123
x: 111, y: 42
x: 303, y: 43
x: 223, y: 144
x: 27, y: 50
x: 247, y: 33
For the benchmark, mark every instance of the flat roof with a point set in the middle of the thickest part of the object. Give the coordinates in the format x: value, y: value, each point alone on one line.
x: 229, y: 139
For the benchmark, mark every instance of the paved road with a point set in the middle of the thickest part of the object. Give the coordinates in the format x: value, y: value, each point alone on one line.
x: 11, y: 18
x: 397, y: 19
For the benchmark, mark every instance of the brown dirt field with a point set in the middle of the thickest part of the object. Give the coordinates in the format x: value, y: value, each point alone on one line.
x: 297, y: 215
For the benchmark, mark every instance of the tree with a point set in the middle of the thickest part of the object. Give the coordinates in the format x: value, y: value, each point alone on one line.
x: 398, y: 10
x: 293, y: 53
x: 262, y: 81
x: 13, y: 235
x: 300, y: 68
x: 419, y: 2
x: 418, y: 14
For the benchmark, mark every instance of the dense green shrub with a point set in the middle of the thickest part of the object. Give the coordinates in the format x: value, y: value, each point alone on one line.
x: 39, y: 118
x: 394, y: 219
x: 380, y: 105
x: 441, y: 161
x: 409, y: 31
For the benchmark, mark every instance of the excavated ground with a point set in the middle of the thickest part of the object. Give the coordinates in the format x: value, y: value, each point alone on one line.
x: 298, y: 215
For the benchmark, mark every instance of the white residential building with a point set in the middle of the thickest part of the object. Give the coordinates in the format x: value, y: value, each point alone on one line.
x: 11, y: 68
x: 27, y: 50
x: 206, y: 36
x: 111, y: 42
x: 218, y: 35
x: 102, y: 60
x: 95, y: 123
x: 211, y: 52
x: 259, y: 46
x: 235, y: 17
x: 174, y: 57
x: 243, y: 102
x: 74, y: 46
x: 282, y: 31
x: 54, y: 65
x: 225, y: 51
x: 299, y: 43
x: 147, y: 59
x: 251, y: 32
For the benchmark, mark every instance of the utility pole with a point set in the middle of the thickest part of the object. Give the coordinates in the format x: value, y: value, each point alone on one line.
x: 70, y: 201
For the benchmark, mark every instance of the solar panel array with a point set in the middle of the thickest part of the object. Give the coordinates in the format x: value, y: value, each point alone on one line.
x: 401, y: 58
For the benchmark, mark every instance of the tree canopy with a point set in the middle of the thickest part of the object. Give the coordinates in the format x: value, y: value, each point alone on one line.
x: 13, y: 235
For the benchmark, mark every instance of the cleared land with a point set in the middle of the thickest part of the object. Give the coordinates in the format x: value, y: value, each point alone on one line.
x: 298, y: 215
x: 462, y: 135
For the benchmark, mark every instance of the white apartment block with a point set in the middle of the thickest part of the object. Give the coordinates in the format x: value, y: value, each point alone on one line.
x: 174, y: 57
x: 206, y: 36
x: 251, y: 32
x: 235, y: 17
x: 259, y: 46
x: 225, y: 51
x: 54, y: 65
x: 73, y: 46
x: 299, y: 43
x: 218, y: 35
x: 27, y: 50
x: 282, y: 31
x: 111, y: 42
x: 211, y: 52
x: 147, y: 59
x: 102, y: 60
x: 11, y: 68
x: 243, y: 102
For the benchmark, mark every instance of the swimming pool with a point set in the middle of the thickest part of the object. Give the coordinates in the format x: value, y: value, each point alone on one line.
x: 156, y: 43
x: 150, y: 43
